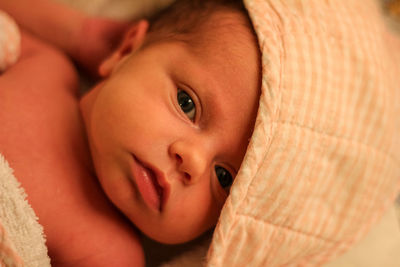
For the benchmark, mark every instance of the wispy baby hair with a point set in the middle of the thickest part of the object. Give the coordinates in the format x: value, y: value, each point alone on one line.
x: 184, y: 18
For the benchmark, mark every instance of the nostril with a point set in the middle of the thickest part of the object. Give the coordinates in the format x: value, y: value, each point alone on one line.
x: 187, y: 176
x: 178, y: 158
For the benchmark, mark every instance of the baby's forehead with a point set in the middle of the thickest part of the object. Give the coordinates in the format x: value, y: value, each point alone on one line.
x: 206, y: 32
x: 223, y: 51
x: 224, y: 24
x: 228, y: 47
x: 226, y: 33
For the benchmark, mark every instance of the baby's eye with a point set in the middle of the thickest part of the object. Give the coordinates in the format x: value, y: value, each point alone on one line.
x: 187, y: 104
x: 224, y: 177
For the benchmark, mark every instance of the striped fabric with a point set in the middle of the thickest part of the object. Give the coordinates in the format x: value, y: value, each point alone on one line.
x: 10, y: 41
x: 324, y: 160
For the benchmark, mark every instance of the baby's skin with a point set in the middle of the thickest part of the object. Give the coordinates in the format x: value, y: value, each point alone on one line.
x: 178, y: 113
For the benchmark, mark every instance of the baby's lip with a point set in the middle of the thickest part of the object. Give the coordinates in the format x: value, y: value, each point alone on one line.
x: 159, y: 181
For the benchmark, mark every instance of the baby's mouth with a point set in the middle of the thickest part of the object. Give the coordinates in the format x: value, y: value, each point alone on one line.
x: 151, y: 184
x: 156, y: 185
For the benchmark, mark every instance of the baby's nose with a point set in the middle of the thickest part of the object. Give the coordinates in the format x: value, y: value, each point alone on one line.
x: 192, y: 160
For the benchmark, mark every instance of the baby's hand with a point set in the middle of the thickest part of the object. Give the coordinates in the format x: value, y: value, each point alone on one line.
x: 99, y: 36
x: 10, y: 41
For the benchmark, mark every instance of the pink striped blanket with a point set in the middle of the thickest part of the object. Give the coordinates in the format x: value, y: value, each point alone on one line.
x: 323, y: 164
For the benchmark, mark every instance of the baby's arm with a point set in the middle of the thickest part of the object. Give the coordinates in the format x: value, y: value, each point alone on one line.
x: 88, y: 40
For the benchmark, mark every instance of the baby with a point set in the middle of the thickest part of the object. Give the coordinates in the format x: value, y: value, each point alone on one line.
x: 164, y: 132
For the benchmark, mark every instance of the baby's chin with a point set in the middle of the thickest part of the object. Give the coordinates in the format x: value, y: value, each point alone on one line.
x: 176, y: 236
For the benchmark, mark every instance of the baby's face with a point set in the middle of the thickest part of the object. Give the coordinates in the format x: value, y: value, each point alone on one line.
x: 169, y: 128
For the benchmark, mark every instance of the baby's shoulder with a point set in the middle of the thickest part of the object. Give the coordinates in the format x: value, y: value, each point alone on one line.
x: 40, y: 67
x: 40, y: 89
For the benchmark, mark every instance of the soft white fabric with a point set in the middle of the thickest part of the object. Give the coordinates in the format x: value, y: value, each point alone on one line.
x: 22, y: 242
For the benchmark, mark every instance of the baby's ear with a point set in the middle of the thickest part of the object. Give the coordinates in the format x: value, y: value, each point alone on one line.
x: 132, y: 40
